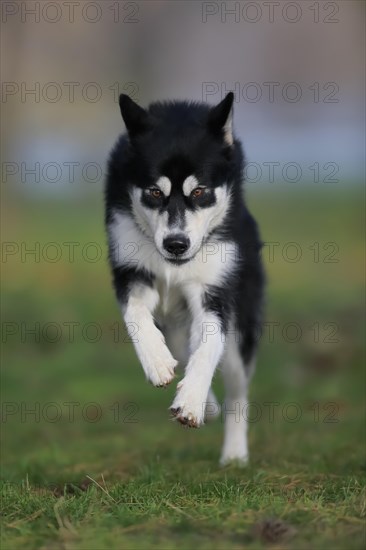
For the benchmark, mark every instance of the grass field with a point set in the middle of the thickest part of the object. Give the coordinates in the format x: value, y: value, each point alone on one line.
x: 90, y: 457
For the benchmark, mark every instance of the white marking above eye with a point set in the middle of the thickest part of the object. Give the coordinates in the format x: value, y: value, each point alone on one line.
x: 165, y: 185
x: 189, y: 184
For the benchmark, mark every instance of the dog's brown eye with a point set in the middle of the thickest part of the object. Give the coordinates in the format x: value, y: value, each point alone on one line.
x: 197, y: 192
x: 156, y: 193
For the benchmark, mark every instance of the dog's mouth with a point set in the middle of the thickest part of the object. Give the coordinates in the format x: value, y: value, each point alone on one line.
x: 175, y: 260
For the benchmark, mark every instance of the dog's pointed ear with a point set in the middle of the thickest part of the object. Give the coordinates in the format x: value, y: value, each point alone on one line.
x: 135, y: 117
x: 220, y: 118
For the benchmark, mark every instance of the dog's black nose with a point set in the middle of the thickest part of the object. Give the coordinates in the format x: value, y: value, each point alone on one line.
x: 176, y: 244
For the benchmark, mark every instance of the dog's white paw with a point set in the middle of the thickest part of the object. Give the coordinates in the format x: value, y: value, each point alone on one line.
x: 189, y: 404
x: 235, y: 459
x: 235, y: 449
x: 159, y: 365
x: 161, y: 373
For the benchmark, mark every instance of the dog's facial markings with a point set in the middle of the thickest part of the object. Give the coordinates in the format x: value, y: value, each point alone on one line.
x: 176, y: 211
x: 165, y: 185
x: 156, y: 195
x: 202, y: 197
x: 197, y: 195
x: 193, y: 216
x: 189, y: 185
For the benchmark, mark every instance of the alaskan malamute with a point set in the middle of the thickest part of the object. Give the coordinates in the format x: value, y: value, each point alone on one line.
x: 185, y: 256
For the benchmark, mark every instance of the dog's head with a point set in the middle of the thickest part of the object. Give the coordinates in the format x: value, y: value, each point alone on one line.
x: 182, y: 162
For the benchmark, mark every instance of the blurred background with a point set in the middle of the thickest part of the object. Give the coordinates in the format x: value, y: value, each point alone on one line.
x: 297, y: 70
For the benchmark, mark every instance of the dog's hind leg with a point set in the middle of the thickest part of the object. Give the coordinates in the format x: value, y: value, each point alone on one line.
x: 236, y: 375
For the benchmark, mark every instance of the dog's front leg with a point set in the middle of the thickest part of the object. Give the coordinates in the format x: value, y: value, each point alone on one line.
x: 155, y: 357
x: 207, y: 345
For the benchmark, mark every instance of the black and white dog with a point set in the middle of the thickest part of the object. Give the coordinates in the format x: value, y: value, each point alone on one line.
x: 185, y: 255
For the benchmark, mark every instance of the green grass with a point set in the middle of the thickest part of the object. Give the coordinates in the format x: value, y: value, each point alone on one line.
x: 122, y: 474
